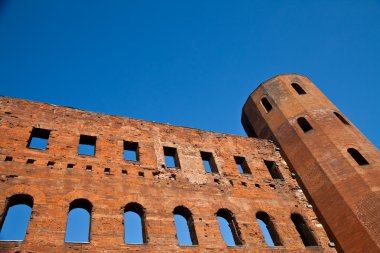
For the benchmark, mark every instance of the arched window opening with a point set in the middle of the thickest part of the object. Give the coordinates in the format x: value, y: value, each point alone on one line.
x: 268, y: 230
x: 134, y: 224
x: 303, y: 230
x: 16, y: 217
x: 304, y: 124
x: 266, y: 104
x: 228, y: 228
x: 298, y: 88
x: 184, y: 223
x: 344, y: 121
x: 357, y: 156
x: 79, y: 221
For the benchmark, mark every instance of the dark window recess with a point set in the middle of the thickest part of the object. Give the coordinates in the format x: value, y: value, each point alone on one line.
x: 30, y: 161
x: 171, y: 157
x: 267, y: 228
x: 88, y: 168
x: 303, y: 230
x: 13, y: 227
x: 341, y: 118
x: 209, y: 162
x: 298, y: 88
x: 131, y: 151
x: 267, y: 105
x: 185, y: 228
x: 87, y: 145
x: 141, y: 174
x: 107, y: 171
x: 38, y: 139
x: 273, y: 169
x: 8, y: 159
x: 70, y: 165
x: 134, y: 224
x: 50, y: 163
x: 79, y: 221
x: 124, y: 172
x: 357, y: 156
x: 229, y: 228
x: 242, y: 165
x: 304, y: 124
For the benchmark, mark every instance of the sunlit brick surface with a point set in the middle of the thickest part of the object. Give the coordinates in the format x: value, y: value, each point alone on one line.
x: 344, y: 192
x: 53, y: 185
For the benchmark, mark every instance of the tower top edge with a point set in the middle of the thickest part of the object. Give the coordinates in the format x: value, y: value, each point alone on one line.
x: 273, y: 78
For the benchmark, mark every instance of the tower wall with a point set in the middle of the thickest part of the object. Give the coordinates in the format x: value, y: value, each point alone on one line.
x: 345, y: 195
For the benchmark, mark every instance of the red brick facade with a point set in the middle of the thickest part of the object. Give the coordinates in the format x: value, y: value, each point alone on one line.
x: 57, y: 176
x: 334, y: 162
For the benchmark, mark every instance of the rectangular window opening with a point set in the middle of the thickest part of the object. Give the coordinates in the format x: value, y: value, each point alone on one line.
x: 38, y: 139
x: 50, y: 163
x: 242, y: 165
x: 30, y: 161
x: 209, y: 163
x: 88, y: 168
x: 273, y: 170
x: 87, y: 145
x: 124, y: 172
x: 107, y: 171
x: 130, y: 152
x: 8, y: 159
x: 70, y: 165
x: 171, y: 157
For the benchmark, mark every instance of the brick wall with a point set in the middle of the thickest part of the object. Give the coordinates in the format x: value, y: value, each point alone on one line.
x: 160, y: 189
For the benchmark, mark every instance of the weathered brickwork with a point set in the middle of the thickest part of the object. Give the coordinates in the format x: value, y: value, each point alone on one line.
x: 334, y: 162
x: 148, y: 182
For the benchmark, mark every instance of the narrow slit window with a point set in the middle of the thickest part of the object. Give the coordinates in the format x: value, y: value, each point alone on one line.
x: 298, y: 88
x: 228, y: 228
x: 14, y: 223
x: 242, y: 165
x: 131, y: 151
x: 184, y: 224
x: 273, y: 170
x: 134, y: 224
x: 39, y: 139
x: 357, y: 157
x: 303, y: 230
x: 79, y: 221
x: 87, y: 145
x: 266, y: 104
x: 268, y: 230
x: 304, y: 124
x: 171, y: 157
x: 209, y: 163
x: 341, y: 118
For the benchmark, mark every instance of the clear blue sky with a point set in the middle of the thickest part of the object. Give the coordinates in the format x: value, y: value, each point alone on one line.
x: 190, y: 63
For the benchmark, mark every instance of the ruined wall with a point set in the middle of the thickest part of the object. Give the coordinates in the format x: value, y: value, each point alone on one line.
x: 148, y: 182
x: 345, y: 192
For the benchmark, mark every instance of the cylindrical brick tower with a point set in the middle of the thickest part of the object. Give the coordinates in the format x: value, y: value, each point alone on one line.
x: 338, y: 168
